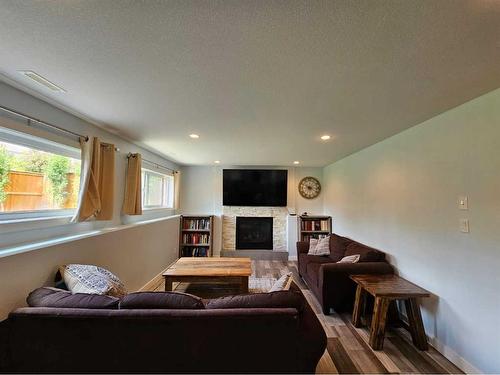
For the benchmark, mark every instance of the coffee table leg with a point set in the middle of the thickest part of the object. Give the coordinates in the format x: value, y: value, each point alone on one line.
x: 168, y: 284
x: 244, y: 284
x: 377, y: 331
x: 416, y: 325
x: 358, y: 306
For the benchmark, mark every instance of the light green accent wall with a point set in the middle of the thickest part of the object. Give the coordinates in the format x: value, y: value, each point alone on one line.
x: 400, y: 195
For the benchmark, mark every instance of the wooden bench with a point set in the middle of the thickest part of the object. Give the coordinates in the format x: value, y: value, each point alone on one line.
x: 385, y: 288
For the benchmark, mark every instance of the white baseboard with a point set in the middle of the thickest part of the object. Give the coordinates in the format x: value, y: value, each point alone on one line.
x: 454, y: 357
x: 447, y: 352
x: 292, y: 257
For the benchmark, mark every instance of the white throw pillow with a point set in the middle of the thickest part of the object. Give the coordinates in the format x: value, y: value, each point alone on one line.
x: 313, y: 242
x: 350, y: 259
x: 90, y: 279
x: 322, y: 247
x: 283, y: 283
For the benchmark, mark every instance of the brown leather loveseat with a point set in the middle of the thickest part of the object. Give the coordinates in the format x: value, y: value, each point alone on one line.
x: 329, y: 280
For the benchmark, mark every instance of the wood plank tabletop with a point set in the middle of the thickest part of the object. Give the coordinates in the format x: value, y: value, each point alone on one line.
x: 203, y: 266
x: 391, y: 286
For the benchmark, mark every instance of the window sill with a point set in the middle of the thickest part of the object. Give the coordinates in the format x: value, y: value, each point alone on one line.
x: 152, y: 209
x: 33, y: 223
x: 37, y: 245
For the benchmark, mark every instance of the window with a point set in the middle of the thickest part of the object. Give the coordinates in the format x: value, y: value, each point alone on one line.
x: 37, y: 176
x: 157, y: 190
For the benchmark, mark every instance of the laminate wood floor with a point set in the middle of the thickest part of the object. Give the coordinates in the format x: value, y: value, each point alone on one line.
x: 348, y: 351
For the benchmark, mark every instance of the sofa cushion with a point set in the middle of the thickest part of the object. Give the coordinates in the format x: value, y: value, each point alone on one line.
x: 366, y: 253
x: 53, y: 297
x: 283, y: 283
x: 338, y: 246
x: 322, y: 246
x: 161, y: 300
x: 85, y: 278
x: 350, y: 259
x: 313, y: 242
x: 282, y: 299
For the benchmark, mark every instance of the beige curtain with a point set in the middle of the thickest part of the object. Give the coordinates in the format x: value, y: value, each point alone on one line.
x: 132, y: 202
x: 98, y: 177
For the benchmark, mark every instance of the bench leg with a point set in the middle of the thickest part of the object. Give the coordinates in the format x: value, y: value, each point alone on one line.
x: 358, y: 306
x: 244, y: 284
x: 377, y: 332
x: 168, y: 284
x: 416, y: 325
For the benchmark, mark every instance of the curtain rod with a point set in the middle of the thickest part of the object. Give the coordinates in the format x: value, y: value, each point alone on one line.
x: 153, y: 163
x: 30, y: 118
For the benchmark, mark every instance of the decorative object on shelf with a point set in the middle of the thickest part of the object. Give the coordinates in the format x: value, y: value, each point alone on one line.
x: 314, y: 227
x: 309, y: 187
x: 195, y: 236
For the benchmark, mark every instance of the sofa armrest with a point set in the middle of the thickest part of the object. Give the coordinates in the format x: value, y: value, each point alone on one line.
x: 4, y: 346
x: 332, y: 274
x: 357, y: 268
x: 302, y: 247
x: 337, y: 289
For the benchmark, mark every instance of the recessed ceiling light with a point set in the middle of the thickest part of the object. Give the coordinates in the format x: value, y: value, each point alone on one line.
x: 217, y: 161
x: 41, y: 80
x: 194, y: 136
x: 296, y: 162
x: 325, y: 137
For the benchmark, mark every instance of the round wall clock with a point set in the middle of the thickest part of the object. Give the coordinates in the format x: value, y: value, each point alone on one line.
x: 309, y: 187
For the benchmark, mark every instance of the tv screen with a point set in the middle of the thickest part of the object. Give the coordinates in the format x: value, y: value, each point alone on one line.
x: 254, y: 187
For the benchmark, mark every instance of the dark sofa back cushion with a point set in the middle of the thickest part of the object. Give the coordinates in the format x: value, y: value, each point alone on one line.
x: 337, y: 247
x: 53, y: 297
x: 366, y: 253
x: 282, y: 299
x: 161, y: 300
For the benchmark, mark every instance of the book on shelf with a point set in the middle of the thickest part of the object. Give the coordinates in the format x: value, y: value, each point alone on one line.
x: 195, y: 238
x: 307, y: 237
x: 315, y: 225
x: 194, y: 252
x: 196, y: 224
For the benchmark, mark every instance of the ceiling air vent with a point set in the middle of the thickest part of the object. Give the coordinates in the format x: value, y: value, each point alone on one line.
x: 41, y: 80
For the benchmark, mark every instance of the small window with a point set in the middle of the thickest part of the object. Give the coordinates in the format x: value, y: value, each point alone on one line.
x: 157, y: 190
x: 36, y: 175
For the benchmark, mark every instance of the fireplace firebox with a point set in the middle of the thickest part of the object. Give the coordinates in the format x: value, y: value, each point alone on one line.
x: 254, y: 233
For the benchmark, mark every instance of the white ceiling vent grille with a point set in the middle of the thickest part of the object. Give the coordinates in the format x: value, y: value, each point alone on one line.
x: 41, y: 80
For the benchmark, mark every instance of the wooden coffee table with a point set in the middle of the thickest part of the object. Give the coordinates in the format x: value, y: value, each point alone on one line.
x: 209, y: 270
x: 386, y: 288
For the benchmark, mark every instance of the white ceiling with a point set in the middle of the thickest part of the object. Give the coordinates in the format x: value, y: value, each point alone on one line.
x: 259, y: 81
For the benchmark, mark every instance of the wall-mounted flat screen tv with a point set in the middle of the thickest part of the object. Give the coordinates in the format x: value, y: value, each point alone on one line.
x: 254, y: 187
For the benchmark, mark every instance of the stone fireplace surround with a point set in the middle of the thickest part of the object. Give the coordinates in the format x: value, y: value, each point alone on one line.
x: 279, y: 215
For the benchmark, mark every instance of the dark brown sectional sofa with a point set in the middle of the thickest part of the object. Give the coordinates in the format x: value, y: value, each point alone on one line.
x: 329, y: 280
x: 163, y: 333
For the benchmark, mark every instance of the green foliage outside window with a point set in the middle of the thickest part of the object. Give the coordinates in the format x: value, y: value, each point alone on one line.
x: 4, y: 172
x: 55, y: 167
x: 57, y: 171
x: 30, y: 161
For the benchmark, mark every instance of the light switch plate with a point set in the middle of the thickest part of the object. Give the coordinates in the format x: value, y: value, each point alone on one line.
x: 464, y: 225
x: 463, y: 202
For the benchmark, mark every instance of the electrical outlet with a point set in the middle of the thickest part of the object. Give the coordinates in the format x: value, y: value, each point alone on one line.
x: 464, y: 225
x: 463, y: 202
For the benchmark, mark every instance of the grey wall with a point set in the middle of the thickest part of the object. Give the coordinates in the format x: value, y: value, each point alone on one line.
x: 401, y: 195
